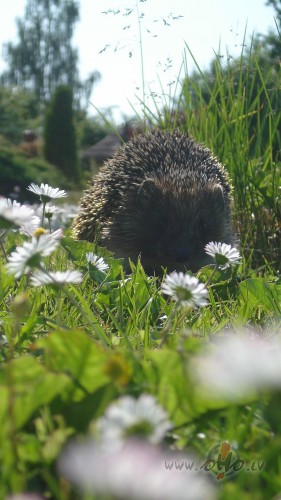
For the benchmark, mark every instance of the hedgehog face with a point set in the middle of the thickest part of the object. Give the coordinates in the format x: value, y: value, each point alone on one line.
x: 170, y: 229
x: 162, y: 196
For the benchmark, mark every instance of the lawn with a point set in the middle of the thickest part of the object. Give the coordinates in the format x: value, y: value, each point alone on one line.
x: 126, y: 386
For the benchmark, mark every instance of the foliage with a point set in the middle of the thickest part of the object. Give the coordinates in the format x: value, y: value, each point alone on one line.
x: 44, y: 56
x: 234, y: 108
x: 251, y: 79
x: 60, y: 136
x: 17, y: 170
x: 68, y: 354
x: 19, y: 110
x: 273, y: 39
x: 90, y: 130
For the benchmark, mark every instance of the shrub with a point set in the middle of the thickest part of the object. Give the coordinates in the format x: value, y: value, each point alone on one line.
x: 18, y: 171
x: 60, y: 136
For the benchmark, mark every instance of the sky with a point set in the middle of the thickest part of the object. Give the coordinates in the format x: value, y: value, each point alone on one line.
x: 110, y: 43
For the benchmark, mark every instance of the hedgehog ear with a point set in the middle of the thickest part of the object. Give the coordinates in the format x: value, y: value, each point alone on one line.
x: 217, y: 196
x: 147, y: 192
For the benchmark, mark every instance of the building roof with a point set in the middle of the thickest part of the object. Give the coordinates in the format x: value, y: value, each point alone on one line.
x: 103, y: 149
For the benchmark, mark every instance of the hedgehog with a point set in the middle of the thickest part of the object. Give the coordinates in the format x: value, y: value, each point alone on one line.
x: 161, y: 198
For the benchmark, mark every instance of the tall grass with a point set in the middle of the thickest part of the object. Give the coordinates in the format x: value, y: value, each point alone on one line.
x: 66, y: 354
x: 235, y: 109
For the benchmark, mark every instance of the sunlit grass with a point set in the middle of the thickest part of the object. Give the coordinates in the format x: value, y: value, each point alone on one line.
x: 234, y: 109
x: 68, y: 352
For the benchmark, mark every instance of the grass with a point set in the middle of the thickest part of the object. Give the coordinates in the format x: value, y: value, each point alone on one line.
x: 67, y: 354
x: 234, y: 110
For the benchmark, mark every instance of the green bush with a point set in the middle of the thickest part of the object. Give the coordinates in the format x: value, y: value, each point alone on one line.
x: 234, y: 109
x: 17, y: 170
x: 19, y: 110
x: 60, y: 135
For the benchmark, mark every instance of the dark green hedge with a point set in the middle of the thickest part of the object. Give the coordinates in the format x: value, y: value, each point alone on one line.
x: 17, y: 170
x: 60, y: 147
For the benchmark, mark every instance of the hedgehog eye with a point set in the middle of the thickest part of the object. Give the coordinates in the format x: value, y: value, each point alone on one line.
x: 147, y: 193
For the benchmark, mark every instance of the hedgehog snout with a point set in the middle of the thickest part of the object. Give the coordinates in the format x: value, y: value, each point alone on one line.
x: 181, y: 252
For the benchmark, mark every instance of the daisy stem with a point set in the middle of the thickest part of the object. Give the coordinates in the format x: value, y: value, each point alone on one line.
x: 43, y: 213
x: 3, y: 250
x: 104, y: 339
x: 167, y: 327
x: 11, y: 426
x: 210, y: 277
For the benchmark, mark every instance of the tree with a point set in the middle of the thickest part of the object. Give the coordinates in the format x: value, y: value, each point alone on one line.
x: 19, y: 110
x: 273, y: 39
x: 44, y: 57
x: 60, y: 137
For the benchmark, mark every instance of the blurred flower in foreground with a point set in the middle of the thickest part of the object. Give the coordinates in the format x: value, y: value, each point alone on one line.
x: 137, y: 471
x: 30, y: 226
x: 58, y: 216
x: 13, y: 214
x: 46, y: 192
x: 238, y: 365
x: 224, y: 255
x: 29, y: 255
x: 64, y: 216
x: 184, y: 289
x: 96, y: 261
x: 128, y: 417
x: 56, y: 279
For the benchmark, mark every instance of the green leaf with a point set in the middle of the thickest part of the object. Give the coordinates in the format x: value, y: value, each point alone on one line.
x: 29, y: 448
x: 257, y: 292
x: 6, y: 282
x: 168, y: 380
x: 3, y: 405
x: 77, y: 356
x: 77, y: 250
x: 25, y: 386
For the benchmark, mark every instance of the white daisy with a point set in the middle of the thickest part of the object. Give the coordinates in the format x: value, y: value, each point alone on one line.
x: 237, y: 365
x: 223, y: 254
x: 13, y: 214
x: 63, y: 216
x: 58, y: 278
x: 9, y: 203
x: 129, y: 417
x: 137, y: 471
x: 185, y: 289
x: 96, y: 261
x: 29, y: 255
x: 49, y: 210
x: 29, y: 227
x: 46, y: 192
